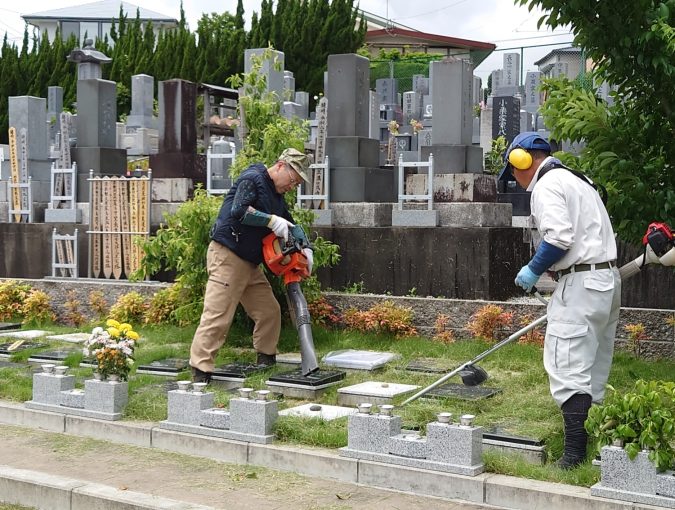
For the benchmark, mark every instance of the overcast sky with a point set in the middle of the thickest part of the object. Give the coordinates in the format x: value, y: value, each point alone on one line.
x: 496, y: 21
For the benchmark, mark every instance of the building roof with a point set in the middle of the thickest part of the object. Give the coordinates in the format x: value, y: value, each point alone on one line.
x: 477, y: 49
x: 571, y: 50
x: 102, y: 10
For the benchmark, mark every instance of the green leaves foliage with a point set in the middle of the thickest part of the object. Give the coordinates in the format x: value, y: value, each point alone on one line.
x: 642, y: 419
x: 628, y: 145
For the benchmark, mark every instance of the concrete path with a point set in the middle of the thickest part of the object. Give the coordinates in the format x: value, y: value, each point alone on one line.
x: 188, y: 479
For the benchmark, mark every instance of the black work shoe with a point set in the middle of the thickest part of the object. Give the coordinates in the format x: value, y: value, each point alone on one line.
x: 266, y: 359
x: 199, y: 376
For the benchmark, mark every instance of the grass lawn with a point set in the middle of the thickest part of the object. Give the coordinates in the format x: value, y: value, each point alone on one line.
x: 524, y: 406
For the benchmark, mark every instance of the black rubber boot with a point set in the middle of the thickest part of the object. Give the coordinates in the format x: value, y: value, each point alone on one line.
x: 199, y: 376
x: 575, y: 412
x: 266, y: 359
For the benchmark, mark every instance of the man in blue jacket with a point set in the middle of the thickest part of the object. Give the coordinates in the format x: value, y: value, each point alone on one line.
x: 253, y: 207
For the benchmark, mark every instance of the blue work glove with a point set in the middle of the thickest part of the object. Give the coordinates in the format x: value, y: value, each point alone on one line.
x: 526, y: 278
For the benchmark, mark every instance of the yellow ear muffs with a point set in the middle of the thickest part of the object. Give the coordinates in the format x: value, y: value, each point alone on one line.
x: 520, y: 159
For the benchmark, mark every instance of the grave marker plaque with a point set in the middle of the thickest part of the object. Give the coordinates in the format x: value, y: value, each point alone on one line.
x: 505, y: 117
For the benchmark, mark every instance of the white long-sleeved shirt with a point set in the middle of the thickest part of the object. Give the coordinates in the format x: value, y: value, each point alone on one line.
x: 569, y: 214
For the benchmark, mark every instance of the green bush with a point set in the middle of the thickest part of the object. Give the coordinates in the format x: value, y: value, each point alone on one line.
x: 642, y: 419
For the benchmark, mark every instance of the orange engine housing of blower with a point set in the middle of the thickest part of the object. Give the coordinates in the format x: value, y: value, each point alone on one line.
x: 284, y: 260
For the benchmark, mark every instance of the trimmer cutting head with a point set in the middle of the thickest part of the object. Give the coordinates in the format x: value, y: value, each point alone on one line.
x: 473, y: 375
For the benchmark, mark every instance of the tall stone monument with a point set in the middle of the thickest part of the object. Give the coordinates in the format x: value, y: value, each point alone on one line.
x: 451, y: 87
x: 96, y: 120
x: 178, y: 133
x: 272, y: 68
x: 354, y: 156
x: 142, y: 98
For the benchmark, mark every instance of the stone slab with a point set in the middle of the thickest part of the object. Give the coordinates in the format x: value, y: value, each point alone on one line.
x: 71, y: 410
x: 6, y: 326
x: 353, y: 151
x: 200, y: 445
x: 634, y: 497
x: 27, y: 334
x: 100, y: 496
x: 311, y: 462
x: 665, y: 484
x: 475, y: 214
x: 74, y: 338
x: 55, y: 356
x: 412, y: 462
x: 324, y: 412
x: 72, y: 398
x: 409, y: 444
x: 219, y: 433
x: 289, y: 358
x: 428, y: 366
x: 412, y: 218
x: 619, y: 472
x: 359, y: 360
x: 299, y: 391
x: 372, y: 392
x: 459, y: 391
x: 362, y: 184
x: 215, y: 418
x: 455, y: 187
x: 322, y: 217
x: 17, y: 414
x: 138, y: 434
x: 63, y: 216
x: 362, y: 214
x: 36, y: 489
x: 9, y: 364
x: 254, y: 417
x: 169, y: 367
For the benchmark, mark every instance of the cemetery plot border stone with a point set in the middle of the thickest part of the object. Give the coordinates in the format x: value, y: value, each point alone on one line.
x: 459, y: 391
x: 7, y: 349
x: 427, y: 366
x: 9, y: 364
x: 530, y: 449
x: 635, y: 480
x: 75, y: 338
x: 295, y: 385
x: 6, y: 326
x: 373, y: 392
x: 168, y: 367
x: 57, y: 355
x: 321, y: 411
x: 27, y: 334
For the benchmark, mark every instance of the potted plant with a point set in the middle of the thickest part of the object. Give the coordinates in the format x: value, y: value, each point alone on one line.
x: 113, y: 350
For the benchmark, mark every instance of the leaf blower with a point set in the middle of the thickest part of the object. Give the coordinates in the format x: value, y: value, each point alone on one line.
x: 659, y: 248
x: 286, y: 259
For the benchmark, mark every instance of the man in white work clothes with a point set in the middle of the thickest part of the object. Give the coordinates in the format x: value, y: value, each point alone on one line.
x: 578, y: 245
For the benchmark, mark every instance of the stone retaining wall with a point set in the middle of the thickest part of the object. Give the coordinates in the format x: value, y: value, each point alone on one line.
x: 659, y: 324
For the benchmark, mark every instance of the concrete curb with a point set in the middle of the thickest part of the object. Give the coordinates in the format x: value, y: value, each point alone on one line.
x: 487, y: 488
x: 51, y: 492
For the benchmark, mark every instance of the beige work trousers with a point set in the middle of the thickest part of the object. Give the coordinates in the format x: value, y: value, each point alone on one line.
x: 233, y: 280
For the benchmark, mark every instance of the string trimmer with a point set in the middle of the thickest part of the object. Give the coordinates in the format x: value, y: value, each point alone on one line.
x: 659, y: 248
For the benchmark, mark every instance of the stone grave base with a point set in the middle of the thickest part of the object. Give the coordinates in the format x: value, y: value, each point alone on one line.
x: 86, y: 413
x: 414, y: 218
x: 56, y: 356
x: 294, y: 385
x: 321, y: 411
x: 372, y: 392
x: 361, y: 214
x: 220, y: 433
x: 169, y: 367
x: 412, y: 462
x: 454, y: 390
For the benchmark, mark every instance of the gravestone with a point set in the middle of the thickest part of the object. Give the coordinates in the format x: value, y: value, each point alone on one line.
x: 532, y: 92
x: 355, y: 175
x: 30, y: 114
x: 302, y: 98
x: 294, y: 384
x: 177, y: 157
x: 451, y: 87
x: 497, y: 79
x: 412, y: 107
x: 54, y: 109
x: 96, y: 148
x: 142, y: 98
x: 272, y: 69
x: 387, y: 90
x: 505, y: 117
x: 510, y: 75
x: 373, y: 392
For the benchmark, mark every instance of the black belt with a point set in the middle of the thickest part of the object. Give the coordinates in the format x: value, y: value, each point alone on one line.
x: 578, y: 268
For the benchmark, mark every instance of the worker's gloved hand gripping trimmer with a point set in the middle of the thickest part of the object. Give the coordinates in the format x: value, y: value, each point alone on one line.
x: 287, y: 260
x: 659, y: 248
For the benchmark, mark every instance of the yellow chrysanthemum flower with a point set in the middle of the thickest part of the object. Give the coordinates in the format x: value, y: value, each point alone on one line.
x: 125, y: 327
x: 133, y: 335
x: 112, y: 323
x: 114, y: 332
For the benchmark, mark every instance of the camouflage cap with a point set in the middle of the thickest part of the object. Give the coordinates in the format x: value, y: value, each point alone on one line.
x: 297, y: 160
